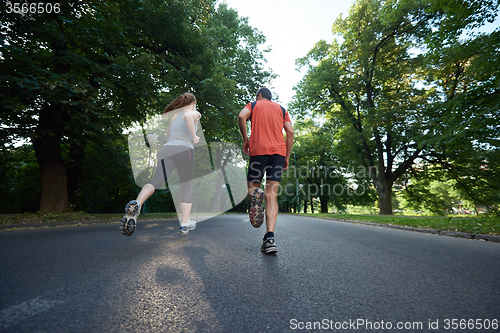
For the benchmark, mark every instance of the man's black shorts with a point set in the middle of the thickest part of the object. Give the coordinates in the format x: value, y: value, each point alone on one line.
x: 272, y: 165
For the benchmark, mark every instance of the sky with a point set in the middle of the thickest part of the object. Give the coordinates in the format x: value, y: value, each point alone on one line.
x: 291, y: 27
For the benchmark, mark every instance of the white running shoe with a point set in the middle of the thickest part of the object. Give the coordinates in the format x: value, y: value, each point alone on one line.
x: 129, y: 221
x: 191, y: 226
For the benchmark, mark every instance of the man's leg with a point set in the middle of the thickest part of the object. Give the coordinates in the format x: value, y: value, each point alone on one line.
x: 256, y: 214
x: 271, y: 196
x: 252, y: 186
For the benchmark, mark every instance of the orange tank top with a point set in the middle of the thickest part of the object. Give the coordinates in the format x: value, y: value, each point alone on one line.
x: 267, y: 122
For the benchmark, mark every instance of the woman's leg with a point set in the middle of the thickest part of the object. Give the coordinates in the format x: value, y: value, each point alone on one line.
x: 186, y: 210
x: 185, y: 167
x: 146, y: 191
x: 163, y: 170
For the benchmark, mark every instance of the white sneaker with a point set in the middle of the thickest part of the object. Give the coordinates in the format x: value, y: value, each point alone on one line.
x: 190, y: 226
x: 129, y: 221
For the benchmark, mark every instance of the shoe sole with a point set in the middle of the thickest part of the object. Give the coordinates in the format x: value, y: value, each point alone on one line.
x: 270, y: 250
x: 256, y: 211
x: 128, y: 222
x: 127, y: 226
x: 188, y: 228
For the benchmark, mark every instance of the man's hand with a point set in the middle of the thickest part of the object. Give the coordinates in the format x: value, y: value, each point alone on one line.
x: 287, y: 161
x: 246, y: 147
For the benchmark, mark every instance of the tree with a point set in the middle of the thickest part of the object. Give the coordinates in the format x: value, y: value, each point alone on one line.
x: 319, y: 171
x: 68, y: 75
x: 322, y: 178
x: 230, y: 74
x: 426, y: 189
x: 462, y: 124
x: 20, y: 176
x: 381, y: 83
x: 97, y: 66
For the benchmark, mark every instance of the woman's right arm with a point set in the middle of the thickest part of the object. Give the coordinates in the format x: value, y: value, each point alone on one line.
x: 191, y: 118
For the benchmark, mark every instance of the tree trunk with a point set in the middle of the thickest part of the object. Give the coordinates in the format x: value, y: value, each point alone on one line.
x: 324, y: 204
x: 305, y: 206
x: 53, y: 173
x: 47, y: 146
x: 312, y: 206
x: 76, y: 157
x: 384, y: 191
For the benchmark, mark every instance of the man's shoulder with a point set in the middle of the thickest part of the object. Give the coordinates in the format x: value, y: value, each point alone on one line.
x: 270, y: 102
x: 266, y: 104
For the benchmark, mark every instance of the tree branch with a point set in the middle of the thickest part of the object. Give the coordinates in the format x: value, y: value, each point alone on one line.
x: 405, y: 165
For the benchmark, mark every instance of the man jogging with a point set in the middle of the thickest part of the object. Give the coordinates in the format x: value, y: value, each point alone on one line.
x: 269, y: 153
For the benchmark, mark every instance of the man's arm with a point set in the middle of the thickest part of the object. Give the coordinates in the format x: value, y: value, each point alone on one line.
x: 289, y: 141
x: 242, y: 122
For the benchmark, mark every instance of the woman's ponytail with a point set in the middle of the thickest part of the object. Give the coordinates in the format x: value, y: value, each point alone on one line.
x: 180, y: 101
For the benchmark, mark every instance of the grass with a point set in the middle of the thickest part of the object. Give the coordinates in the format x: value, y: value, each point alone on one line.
x: 49, y: 217
x: 38, y: 218
x: 469, y: 224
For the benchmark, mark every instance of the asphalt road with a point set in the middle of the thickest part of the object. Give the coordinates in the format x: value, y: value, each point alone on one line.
x: 327, y: 276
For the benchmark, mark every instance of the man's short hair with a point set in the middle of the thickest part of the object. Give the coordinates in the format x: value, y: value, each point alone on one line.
x: 265, y: 93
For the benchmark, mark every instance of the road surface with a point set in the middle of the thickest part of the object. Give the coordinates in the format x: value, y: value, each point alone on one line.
x: 327, y: 276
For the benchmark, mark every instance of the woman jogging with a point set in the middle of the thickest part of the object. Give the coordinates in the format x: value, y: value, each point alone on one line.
x: 178, y: 153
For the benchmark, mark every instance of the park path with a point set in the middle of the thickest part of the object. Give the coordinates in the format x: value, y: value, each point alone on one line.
x: 329, y: 275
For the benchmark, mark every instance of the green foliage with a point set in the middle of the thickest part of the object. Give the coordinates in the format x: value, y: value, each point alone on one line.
x: 231, y: 73
x: 106, y: 167
x: 20, y: 174
x: 401, y: 86
x: 428, y: 190
x: 71, y: 82
x: 463, y: 128
x: 320, y: 172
